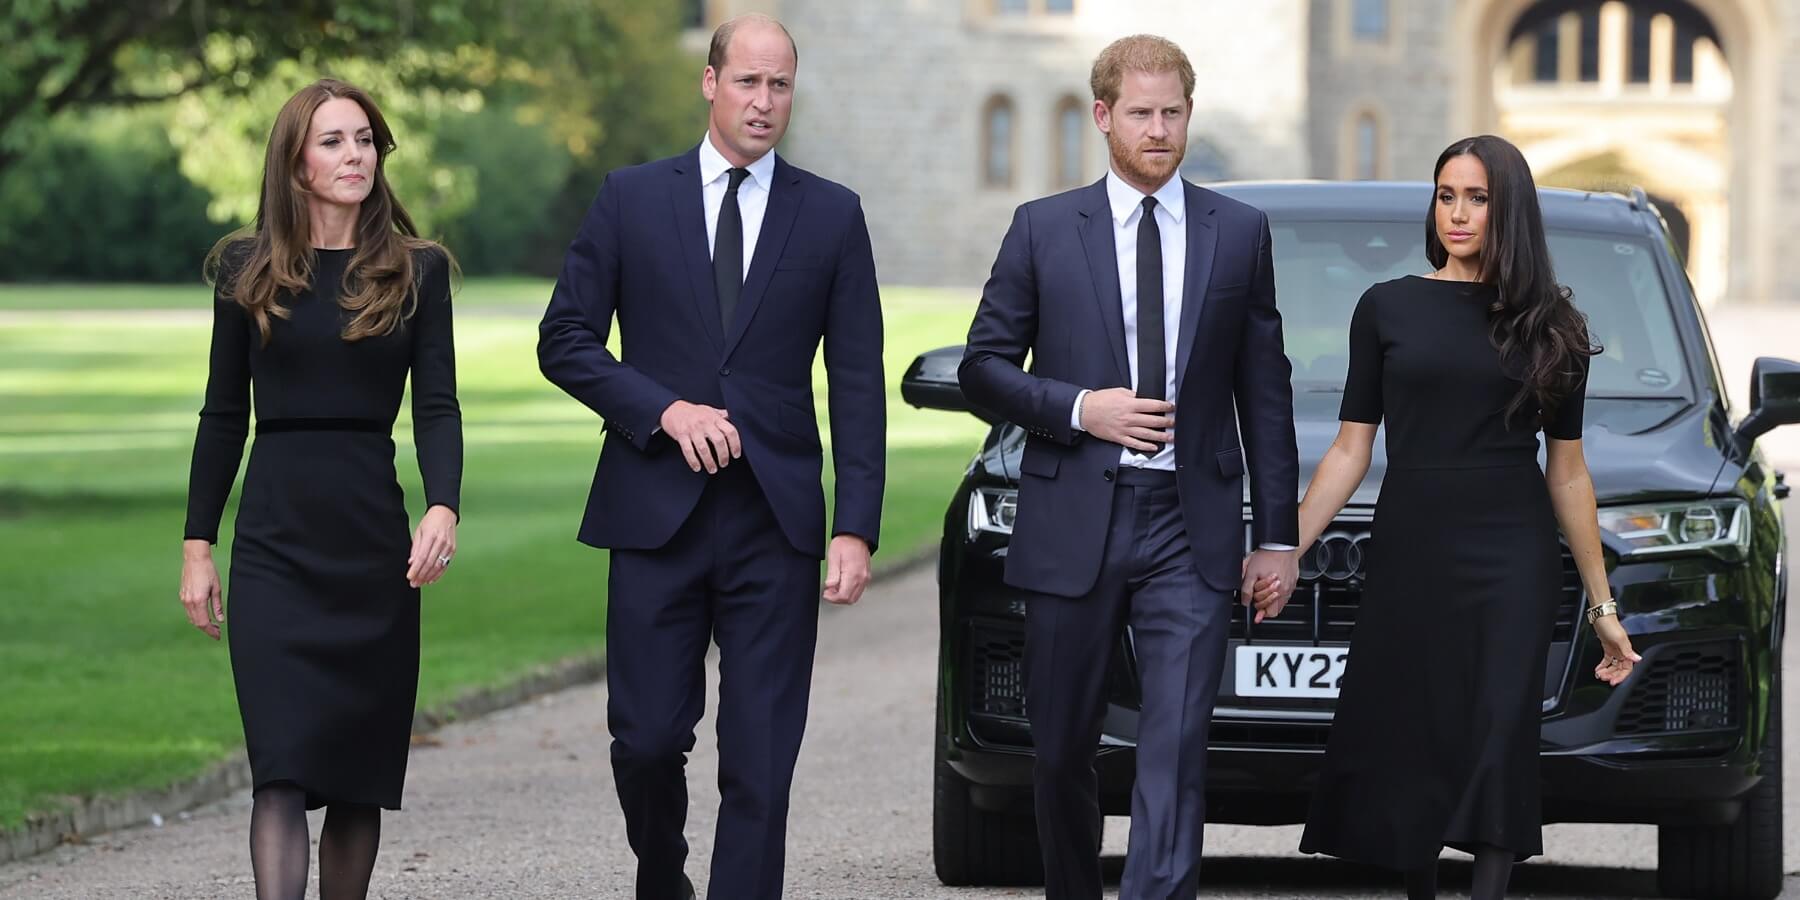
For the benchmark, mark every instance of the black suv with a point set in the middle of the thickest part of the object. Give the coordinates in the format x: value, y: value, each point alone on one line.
x: 1694, y: 548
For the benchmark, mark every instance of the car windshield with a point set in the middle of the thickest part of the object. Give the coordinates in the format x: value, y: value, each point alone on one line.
x: 1321, y: 268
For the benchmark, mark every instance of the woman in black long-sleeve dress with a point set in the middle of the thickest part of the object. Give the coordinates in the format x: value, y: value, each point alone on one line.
x: 1435, y: 737
x: 325, y: 306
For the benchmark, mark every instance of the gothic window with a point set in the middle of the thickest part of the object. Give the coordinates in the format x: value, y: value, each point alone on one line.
x: 997, y: 129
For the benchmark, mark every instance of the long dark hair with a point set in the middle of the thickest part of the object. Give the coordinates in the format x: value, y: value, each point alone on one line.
x: 273, y: 257
x: 1539, y: 333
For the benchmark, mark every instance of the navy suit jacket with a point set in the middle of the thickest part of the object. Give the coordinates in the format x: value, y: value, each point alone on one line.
x: 1054, y: 293
x: 641, y: 254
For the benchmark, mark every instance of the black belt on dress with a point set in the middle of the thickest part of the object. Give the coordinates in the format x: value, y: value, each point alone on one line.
x: 322, y: 423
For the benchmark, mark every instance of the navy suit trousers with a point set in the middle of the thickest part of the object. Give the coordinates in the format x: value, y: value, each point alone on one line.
x: 1179, y: 627
x: 731, y: 576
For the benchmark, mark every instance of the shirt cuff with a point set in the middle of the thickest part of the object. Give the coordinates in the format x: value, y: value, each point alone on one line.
x: 1276, y: 547
x: 1075, y: 412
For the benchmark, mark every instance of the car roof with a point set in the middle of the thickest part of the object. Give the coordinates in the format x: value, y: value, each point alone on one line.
x: 1406, y: 201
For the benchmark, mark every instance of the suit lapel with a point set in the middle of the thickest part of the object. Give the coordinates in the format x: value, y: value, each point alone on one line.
x: 777, y: 224
x: 686, y: 195
x: 1202, y: 236
x: 1096, y: 230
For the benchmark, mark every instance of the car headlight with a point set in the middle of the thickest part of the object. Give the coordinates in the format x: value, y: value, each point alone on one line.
x: 992, y: 510
x: 1719, y: 527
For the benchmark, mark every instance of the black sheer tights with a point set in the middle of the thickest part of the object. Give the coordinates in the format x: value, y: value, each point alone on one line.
x: 281, y: 848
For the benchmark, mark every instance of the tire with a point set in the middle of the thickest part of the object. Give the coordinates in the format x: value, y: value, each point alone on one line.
x: 1740, y: 861
x: 975, y: 848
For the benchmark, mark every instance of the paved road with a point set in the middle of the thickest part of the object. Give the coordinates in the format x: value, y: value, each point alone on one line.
x: 520, y: 804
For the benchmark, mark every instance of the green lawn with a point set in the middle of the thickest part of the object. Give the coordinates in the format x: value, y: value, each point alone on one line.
x: 108, y: 688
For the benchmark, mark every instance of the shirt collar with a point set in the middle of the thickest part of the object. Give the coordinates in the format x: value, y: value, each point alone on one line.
x: 1125, y: 199
x: 713, y: 165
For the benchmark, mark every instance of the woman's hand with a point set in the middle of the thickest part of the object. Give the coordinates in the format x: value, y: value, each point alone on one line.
x: 433, y: 546
x: 199, y: 593
x: 1617, y: 645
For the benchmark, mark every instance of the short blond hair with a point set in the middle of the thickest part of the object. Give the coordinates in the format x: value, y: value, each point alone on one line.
x: 1138, y: 53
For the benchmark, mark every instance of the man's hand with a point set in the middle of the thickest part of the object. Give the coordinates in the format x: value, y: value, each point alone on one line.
x: 707, y: 440
x: 1269, y: 579
x: 1120, y: 416
x: 846, y: 569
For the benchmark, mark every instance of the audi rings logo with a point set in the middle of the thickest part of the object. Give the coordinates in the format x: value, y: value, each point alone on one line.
x: 1338, y: 556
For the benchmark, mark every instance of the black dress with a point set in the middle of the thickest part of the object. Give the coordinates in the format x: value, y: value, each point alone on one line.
x: 1435, y: 739
x: 323, y: 626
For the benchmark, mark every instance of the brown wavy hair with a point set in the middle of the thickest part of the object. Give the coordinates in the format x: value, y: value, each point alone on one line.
x: 1538, y: 331
x: 274, y: 257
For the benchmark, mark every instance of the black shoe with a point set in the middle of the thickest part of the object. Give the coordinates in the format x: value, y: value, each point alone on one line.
x: 684, y: 892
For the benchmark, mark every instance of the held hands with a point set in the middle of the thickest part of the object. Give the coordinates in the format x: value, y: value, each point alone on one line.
x: 1120, y: 416
x: 434, y: 544
x: 846, y: 569
x: 706, y: 438
x: 200, y: 594
x: 1269, y: 580
x: 1615, y: 667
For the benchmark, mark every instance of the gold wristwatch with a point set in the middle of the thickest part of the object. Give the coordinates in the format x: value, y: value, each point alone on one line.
x: 1601, y: 610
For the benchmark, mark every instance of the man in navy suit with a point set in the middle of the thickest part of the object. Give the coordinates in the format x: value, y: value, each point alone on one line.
x: 1147, y: 306
x: 726, y: 268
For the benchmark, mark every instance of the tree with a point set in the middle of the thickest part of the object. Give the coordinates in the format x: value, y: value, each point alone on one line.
x: 62, y: 55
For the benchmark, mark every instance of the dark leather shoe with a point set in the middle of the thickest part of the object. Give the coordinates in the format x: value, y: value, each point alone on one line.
x: 684, y: 892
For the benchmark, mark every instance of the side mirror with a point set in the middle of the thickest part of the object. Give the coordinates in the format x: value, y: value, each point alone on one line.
x: 930, y: 383
x: 1774, y: 398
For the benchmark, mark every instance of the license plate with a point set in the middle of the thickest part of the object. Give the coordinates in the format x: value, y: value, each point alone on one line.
x: 1273, y: 670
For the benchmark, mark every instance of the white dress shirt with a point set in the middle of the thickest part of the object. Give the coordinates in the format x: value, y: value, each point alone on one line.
x: 752, y: 196
x: 1127, y: 207
x: 1127, y: 204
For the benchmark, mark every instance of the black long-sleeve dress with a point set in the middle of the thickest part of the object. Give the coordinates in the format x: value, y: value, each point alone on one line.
x: 322, y: 624
x: 1435, y: 738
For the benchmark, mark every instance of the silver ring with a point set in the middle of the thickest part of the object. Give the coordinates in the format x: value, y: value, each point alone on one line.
x: 444, y: 560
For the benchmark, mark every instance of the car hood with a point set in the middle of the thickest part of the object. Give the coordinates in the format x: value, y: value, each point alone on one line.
x: 1637, y: 450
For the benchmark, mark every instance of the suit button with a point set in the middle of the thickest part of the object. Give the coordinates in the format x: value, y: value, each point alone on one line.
x: 724, y: 372
x: 1108, y: 474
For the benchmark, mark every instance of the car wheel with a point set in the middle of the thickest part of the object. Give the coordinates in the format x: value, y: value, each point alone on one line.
x: 1740, y: 861
x: 974, y: 847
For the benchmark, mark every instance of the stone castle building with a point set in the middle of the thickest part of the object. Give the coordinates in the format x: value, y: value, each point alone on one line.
x: 946, y: 114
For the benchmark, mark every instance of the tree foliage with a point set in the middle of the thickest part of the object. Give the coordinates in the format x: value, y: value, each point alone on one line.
x: 500, y: 109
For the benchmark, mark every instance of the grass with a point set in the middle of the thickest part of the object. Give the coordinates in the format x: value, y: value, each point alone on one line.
x: 107, y: 686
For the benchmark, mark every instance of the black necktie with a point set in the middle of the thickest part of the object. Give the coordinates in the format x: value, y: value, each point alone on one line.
x: 1152, y: 376
x: 728, y: 250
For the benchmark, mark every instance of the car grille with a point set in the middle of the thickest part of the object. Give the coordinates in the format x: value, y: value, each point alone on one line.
x: 1691, y: 688
x: 997, y: 672
x: 1323, y: 608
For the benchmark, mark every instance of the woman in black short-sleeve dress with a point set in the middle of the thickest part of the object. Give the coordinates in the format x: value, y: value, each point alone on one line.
x: 1435, y: 737
x: 326, y: 307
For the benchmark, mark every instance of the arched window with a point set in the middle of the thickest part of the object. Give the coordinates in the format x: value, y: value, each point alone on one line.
x: 997, y: 128
x: 1070, y: 141
x: 1365, y: 147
